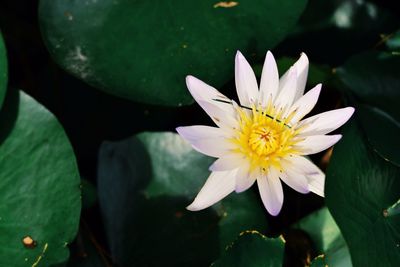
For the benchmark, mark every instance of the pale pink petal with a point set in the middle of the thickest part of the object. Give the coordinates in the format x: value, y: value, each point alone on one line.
x: 202, y: 93
x: 305, y: 104
x: 295, y: 180
x: 315, y: 177
x: 271, y: 193
x: 301, y: 67
x: 287, y: 91
x: 195, y: 132
x: 326, y: 122
x: 227, y: 162
x: 246, y: 82
x: 316, y: 143
x: 217, y: 186
x: 221, y: 117
x: 244, y: 179
x: 269, y: 80
x: 213, y: 147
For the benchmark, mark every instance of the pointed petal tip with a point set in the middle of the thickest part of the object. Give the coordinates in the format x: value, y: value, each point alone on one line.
x: 270, y: 55
x: 304, y: 57
x: 337, y: 137
x: 189, y: 81
x: 350, y: 111
x: 274, y: 212
x: 191, y: 207
x: 238, y: 54
x: 182, y: 131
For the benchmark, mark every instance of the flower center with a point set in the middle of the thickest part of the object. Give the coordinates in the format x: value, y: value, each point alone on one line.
x: 263, y: 140
x: 264, y: 137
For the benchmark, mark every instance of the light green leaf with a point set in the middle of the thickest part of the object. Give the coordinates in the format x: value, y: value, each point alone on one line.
x: 327, y: 239
x: 393, y: 42
x: 142, y: 50
x: 145, y: 183
x: 39, y: 185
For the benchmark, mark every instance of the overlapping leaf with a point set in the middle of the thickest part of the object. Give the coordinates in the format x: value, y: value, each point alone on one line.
x: 360, y: 186
x: 144, y: 185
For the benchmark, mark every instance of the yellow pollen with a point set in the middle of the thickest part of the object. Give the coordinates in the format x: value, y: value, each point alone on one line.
x: 264, y: 137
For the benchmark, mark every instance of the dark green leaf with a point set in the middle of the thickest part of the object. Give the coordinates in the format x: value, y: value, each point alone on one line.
x: 142, y: 50
x: 374, y: 77
x: 332, y: 31
x: 144, y: 185
x: 253, y: 249
x: 3, y: 70
x: 382, y: 132
x: 360, y: 185
x: 327, y: 238
x: 39, y: 186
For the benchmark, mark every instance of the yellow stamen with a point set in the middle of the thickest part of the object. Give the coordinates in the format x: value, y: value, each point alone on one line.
x: 262, y: 139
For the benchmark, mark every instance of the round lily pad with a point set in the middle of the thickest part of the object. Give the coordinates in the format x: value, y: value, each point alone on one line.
x: 142, y: 50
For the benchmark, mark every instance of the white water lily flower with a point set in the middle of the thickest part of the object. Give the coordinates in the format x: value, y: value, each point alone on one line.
x: 263, y: 139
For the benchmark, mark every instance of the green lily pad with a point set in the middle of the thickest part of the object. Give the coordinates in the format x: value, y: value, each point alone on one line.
x: 373, y: 77
x: 142, y: 50
x: 382, y: 132
x: 39, y: 186
x: 327, y: 239
x: 253, y: 249
x: 3, y: 70
x: 145, y: 183
x: 360, y: 186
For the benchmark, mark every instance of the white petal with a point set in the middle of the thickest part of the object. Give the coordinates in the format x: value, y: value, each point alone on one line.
x: 326, y: 122
x: 305, y: 104
x: 316, y: 143
x: 213, y: 147
x: 301, y: 67
x: 202, y: 92
x: 221, y: 117
x: 315, y: 177
x: 227, y: 162
x: 244, y: 179
x: 295, y: 180
x: 269, y: 80
x: 195, y: 132
x: 217, y: 186
x: 271, y: 193
x: 287, y: 91
x: 246, y: 82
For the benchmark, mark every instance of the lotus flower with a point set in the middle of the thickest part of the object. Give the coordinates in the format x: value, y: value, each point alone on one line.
x: 264, y: 138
